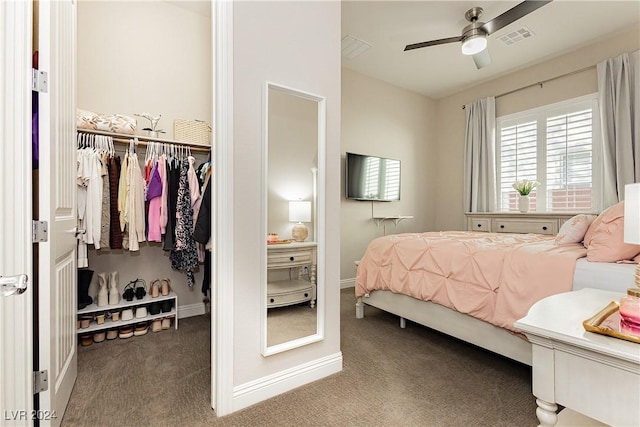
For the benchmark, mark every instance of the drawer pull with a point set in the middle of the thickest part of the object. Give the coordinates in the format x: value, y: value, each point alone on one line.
x: 544, y: 228
x: 291, y: 258
x: 272, y: 300
x: 479, y: 225
x: 502, y: 226
x: 306, y: 294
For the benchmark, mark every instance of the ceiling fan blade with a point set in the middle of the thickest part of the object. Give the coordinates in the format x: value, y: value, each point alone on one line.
x: 512, y: 15
x: 482, y: 59
x: 432, y: 43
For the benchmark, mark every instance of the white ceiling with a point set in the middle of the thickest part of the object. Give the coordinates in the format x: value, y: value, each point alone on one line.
x: 438, y: 71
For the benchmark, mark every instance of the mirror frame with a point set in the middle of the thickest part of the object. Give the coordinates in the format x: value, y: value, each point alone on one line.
x: 319, y: 216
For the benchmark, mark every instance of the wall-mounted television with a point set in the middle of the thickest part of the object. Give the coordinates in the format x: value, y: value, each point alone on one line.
x: 372, y: 178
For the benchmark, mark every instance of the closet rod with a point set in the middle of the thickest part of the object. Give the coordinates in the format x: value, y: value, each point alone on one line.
x: 142, y: 140
x: 540, y: 83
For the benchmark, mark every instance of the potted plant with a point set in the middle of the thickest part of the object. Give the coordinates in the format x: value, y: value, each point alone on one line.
x: 524, y: 187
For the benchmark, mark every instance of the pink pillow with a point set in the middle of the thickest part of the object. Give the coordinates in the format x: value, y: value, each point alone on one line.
x: 605, y: 238
x: 574, y: 229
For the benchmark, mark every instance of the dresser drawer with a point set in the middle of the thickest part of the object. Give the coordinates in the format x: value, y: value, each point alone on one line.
x: 479, y: 224
x: 540, y: 226
x: 289, y: 292
x: 289, y: 258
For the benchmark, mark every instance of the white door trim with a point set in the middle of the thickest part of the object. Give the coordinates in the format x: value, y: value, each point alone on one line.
x: 222, y: 213
x: 16, y: 311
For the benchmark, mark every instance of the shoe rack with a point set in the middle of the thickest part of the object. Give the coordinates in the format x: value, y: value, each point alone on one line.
x: 93, y: 311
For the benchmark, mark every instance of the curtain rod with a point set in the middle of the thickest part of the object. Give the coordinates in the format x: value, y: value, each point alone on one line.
x: 143, y: 140
x: 540, y: 83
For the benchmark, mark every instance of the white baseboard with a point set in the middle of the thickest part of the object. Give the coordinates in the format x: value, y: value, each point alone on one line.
x: 191, y: 310
x: 272, y: 385
x: 348, y: 283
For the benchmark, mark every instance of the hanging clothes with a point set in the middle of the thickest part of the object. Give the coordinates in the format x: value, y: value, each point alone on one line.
x: 135, y: 201
x: 115, y: 233
x: 173, y: 178
x: 184, y: 257
x: 154, y: 197
x: 105, y: 218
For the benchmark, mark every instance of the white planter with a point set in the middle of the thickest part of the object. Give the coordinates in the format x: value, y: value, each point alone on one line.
x: 523, y: 204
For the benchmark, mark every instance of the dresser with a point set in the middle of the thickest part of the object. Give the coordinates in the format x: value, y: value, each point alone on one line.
x: 291, y: 273
x: 516, y: 222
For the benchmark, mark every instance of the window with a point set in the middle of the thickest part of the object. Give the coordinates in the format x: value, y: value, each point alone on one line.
x: 557, y: 145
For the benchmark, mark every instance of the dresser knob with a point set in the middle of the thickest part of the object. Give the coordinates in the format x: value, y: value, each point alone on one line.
x: 291, y: 258
x: 502, y: 226
x: 544, y: 228
x: 272, y: 300
x: 479, y: 225
x: 306, y: 294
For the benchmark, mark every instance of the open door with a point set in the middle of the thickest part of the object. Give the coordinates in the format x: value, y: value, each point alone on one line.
x: 57, y: 289
x: 16, y: 335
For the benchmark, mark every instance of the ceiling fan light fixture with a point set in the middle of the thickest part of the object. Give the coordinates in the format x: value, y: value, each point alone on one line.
x: 473, y: 44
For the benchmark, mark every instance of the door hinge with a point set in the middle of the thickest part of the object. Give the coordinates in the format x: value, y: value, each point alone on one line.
x: 40, y: 381
x: 39, y: 231
x: 39, y: 81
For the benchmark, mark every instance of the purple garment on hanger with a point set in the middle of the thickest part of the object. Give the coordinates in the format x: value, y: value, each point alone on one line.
x: 154, y: 189
x: 35, y: 147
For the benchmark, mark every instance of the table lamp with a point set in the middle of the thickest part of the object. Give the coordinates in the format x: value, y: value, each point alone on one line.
x: 632, y: 218
x: 299, y: 212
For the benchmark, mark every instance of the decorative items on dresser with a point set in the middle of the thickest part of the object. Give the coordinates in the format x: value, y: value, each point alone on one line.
x: 513, y: 222
x: 297, y: 260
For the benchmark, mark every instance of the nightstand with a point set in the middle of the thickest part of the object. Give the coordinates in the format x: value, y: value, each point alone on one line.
x: 298, y: 259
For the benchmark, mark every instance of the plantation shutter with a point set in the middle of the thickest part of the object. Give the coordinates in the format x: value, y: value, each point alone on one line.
x: 518, y: 160
x: 569, y: 179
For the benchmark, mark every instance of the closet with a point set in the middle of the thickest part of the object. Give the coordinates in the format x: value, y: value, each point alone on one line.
x: 147, y: 59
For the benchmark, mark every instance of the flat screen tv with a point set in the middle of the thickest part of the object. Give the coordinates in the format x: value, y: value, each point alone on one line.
x: 372, y: 178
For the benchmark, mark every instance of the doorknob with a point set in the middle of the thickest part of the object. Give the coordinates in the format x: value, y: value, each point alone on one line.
x: 13, y: 285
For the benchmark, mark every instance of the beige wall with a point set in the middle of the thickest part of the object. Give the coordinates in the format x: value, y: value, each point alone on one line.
x: 450, y: 117
x: 295, y: 44
x: 145, y: 57
x: 383, y: 120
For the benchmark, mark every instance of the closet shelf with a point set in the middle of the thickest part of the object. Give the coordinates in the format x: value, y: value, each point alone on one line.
x: 143, y: 140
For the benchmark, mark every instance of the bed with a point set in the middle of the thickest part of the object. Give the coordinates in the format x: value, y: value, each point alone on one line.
x: 475, y: 285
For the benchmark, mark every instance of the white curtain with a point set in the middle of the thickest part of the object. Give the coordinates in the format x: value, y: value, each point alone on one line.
x: 480, y: 185
x: 619, y: 97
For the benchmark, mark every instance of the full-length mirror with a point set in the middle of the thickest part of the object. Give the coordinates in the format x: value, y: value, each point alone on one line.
x: 293, y: 199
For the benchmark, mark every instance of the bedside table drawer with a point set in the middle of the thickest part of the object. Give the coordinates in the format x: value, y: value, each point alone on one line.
x: 289, y: 258
x: 540, y: 226
x: 283, y: 293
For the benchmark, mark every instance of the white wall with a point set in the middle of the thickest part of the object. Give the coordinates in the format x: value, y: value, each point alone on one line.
x: 383, y: 120
x: 450, y: 117
x: 146, y: 56
x: 296, y: 44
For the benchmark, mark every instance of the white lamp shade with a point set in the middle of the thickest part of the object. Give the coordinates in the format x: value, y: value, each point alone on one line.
x: 474, y: 44
x: 632, y: 213
x: 300, y: 211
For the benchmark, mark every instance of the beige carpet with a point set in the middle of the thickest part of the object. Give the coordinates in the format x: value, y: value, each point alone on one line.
x: 391, y: 377
x: 290, y: 323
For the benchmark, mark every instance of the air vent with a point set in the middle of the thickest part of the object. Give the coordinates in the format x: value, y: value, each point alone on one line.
x: 516, y: 36
x: 353, y: 47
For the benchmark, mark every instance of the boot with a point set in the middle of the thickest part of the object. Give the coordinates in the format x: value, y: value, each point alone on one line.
x: 114, y: 294
x: 84, y: 280
x: 103, y: 295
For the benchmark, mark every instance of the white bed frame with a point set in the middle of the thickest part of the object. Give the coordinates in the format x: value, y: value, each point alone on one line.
x: 450, y: 322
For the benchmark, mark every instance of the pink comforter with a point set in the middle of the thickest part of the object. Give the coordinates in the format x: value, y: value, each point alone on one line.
x: 495, y: 277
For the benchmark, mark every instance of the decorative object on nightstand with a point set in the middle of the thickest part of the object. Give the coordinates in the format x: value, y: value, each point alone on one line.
x: 299, y: 212
x: 632, y: 218
x: 524, y: 187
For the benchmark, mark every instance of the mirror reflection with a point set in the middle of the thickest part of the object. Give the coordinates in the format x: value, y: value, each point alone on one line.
x: 292, y: 248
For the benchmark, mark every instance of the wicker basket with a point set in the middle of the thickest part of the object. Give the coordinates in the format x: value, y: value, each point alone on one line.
x: 195, y: 131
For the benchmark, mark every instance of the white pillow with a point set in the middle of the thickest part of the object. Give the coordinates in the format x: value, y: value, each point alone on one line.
x: 574, y: 229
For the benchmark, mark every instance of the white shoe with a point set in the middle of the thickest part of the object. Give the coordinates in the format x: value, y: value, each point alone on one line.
x: 103, y: 295
x: 114, y: 293
x: 141, y: 312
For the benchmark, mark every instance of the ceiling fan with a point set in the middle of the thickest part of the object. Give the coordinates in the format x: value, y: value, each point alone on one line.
x: 474, y: 35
